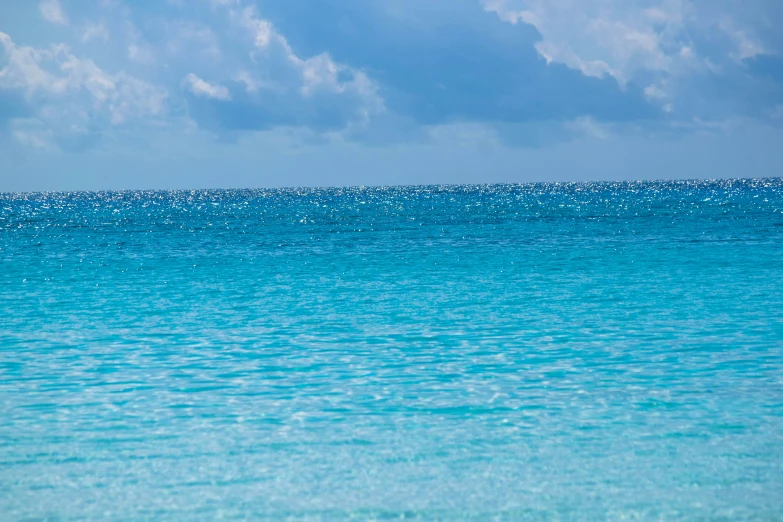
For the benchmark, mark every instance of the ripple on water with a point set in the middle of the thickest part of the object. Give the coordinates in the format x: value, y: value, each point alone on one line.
x: 547, y: 351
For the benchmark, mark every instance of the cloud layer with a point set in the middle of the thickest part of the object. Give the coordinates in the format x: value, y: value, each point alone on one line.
x: 269, y: 84
x: 65, y: 100
x: 667, y: 46
x: 78, y: 76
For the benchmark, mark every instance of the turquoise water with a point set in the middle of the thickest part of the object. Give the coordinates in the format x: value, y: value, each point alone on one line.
x: 514, y: 352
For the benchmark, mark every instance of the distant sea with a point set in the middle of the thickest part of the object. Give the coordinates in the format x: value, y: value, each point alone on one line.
x: 598, y: 351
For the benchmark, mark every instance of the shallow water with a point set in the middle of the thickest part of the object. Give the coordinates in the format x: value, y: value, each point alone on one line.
x: 599, y: 351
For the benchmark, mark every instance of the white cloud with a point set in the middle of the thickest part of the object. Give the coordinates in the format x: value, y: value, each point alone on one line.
x: 138, y: 50
x: 600, y: 37
x: 260, y: 29
x: 660, y: 93
x: 587, y: 126
x: 68, y: 94
x: 204, y: 89
x: 189, y: 39
x: 37, y: 138
x: 277, y: 86
x: 53, y: 12
x: 251, y: 85
x: 95, y: 31
x: 746, y: 46
x: 140, y: 54
x: 21, y: 70
x: 628, y: 39
x: 312, y: 74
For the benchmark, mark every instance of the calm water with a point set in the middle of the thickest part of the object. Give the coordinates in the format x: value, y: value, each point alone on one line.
x: 528, y: 352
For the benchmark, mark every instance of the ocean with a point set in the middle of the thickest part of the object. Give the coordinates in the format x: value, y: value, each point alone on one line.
x: 597, y: 351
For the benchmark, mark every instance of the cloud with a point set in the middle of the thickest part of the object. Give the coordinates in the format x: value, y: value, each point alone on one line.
x: 189, y: 39
x: 310, y: 75
x: 619, y: 38
x: 629, y: 39
x: 746, y: 45
x: 95, y: 31
x: 140, y: 54
x: 535, y: 71
x: 690, y: 57
x: 587, y: 126
x: 138, y: 49
x: 53, y: 12
x: 69, y: 98
x: 443, y: 62
x: 203, y: 89
x: 273, y: 85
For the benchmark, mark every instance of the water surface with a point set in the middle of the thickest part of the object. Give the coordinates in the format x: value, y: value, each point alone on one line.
x: 603, y: 351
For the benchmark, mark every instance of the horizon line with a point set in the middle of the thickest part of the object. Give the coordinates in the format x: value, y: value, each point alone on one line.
x: 423, y: 185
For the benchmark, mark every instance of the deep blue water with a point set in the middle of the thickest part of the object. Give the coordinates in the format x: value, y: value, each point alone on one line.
x: 604, y: 351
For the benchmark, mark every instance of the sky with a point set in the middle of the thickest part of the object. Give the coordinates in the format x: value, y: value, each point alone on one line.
x: 148, y: 94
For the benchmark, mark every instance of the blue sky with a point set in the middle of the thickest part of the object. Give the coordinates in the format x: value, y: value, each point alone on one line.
x: 99, y: 94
